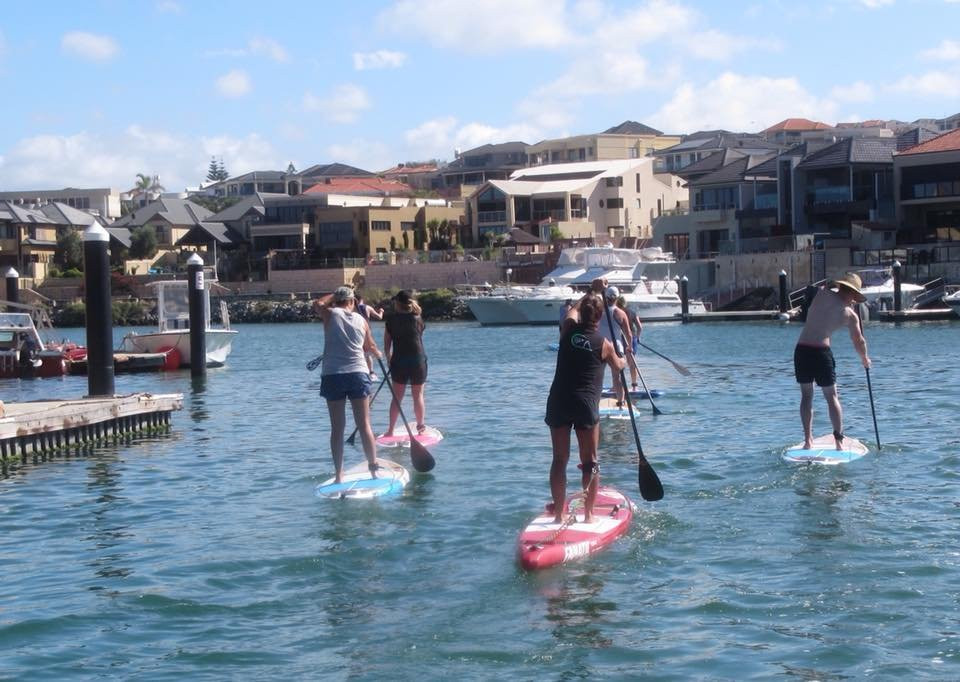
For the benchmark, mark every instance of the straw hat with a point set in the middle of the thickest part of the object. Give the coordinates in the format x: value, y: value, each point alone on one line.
x: 851, y: 282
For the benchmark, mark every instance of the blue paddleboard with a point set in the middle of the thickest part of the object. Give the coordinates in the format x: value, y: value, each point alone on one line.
x: 824, y: 451
x: 639, y: 393
x: 357, y: 483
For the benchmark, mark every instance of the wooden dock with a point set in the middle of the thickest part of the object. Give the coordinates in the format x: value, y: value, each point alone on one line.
x: 42, y: 428
x: 916, y: 315
x: 733, y: 316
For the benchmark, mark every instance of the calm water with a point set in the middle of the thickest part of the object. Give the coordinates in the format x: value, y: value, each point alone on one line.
x: 205, y: 555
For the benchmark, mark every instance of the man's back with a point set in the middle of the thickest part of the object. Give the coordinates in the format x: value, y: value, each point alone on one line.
x: 828, y: 313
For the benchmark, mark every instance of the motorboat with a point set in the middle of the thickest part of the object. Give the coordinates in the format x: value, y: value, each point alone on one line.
x: 953, y: 300
x: 173, y: 322
x: 877, y: 288
x: 25, y: 354
x: 650, y: 299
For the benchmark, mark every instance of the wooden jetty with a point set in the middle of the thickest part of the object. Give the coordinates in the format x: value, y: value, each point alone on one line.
x: 916, y: 315
x: 732, y: 316
x: 41, y: 428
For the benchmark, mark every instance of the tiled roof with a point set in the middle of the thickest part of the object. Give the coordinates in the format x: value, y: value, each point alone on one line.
x: 851, y: 150
x: 262, y: 176
x: 410, y: 169
x: 632, y: 128
x: 948, y: 142
x: 796, y: 124
x: 334, y: 170
x: 18, y: 214
x: 204, y: 233
x: 366, y: 186
x: 709, y: 163
x: 62, y: 214
x: 174, y: 211
x: 732, y: 172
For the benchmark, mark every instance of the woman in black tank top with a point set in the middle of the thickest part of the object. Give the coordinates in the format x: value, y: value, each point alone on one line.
x: 574, y: 397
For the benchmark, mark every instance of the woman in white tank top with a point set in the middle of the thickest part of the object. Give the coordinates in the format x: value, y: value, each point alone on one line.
x: 345, y: 376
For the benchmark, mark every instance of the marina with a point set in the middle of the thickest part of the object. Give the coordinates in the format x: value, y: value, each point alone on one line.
x: 744, y: 551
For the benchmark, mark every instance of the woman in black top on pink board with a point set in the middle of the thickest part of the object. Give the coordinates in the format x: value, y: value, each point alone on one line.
x: 403, y: 346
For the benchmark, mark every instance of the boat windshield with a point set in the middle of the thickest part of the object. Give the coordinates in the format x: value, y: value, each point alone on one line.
x: 173, y: 305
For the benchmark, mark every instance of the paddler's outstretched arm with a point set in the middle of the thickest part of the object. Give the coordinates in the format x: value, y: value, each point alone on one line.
x: 856, y: 335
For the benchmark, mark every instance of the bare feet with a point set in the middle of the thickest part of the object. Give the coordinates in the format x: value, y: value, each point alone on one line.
x: 808, y: 445
x: 588, y: 518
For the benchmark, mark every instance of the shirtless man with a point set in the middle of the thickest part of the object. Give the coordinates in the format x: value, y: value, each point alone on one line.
x: 812, y: 358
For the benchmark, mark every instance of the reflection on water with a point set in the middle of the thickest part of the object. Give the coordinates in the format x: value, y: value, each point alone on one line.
x: 198, y: 406
x: 105, y: 483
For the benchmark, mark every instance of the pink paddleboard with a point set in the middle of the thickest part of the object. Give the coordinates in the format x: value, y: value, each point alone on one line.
x: 541, y: 546
x: 400, y: 438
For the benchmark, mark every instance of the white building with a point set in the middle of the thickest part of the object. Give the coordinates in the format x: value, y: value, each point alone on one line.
x: 103, y: 202
x: 615, y: 198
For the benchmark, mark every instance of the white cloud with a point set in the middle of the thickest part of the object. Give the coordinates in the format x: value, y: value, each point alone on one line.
x: 113, y: 160
x: 342, y: 105
x: 480, y: 27
x: 255, y: 47
x: 98, y: 48
x: 169, y: 7
x: 740, y: 103
x: 235, y: 83
x: 381, y: 59
x: 876, y: 4
x: 947, y: 50
x: 267, y: 47
x: 855, y: 92
x: 939, y: 84
x: 439, y: 137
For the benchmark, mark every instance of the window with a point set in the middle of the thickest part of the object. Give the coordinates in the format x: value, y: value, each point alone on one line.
x: 408, y: 227
x: 615, y: 202
x: 678, y: 244
x: 638, y: 183
x: 638, y: 203
x: 615, y: 182
x: 633, y: 153
x: 380, y: 225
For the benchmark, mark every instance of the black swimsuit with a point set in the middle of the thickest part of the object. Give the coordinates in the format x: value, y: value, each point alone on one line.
x: 575, y: 392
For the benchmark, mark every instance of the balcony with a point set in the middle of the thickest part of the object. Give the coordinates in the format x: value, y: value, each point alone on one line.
x: 828, y: 195
x: 491, y: 217
x: 555, y: 214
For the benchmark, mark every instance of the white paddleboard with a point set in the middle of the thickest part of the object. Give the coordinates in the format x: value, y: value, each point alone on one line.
x: 824, y: 451
x: 401, y: 439
x: 358, y: 484
x: 608, y: 409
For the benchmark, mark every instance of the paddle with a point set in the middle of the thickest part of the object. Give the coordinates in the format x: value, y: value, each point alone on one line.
x: 650, y: 487
x: 632, y: 357
x: 313, y: 364
x: 873, y: 410
x: 353, y: 436
x: 676, y: 365
x: 422, y: 459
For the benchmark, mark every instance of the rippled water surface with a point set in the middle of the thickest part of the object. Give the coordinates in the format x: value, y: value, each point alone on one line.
x: 205, y: 555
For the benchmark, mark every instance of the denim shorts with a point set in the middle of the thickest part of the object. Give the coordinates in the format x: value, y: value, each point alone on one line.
x: 353, y: 385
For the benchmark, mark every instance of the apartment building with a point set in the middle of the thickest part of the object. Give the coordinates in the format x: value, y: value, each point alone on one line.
x: 927, y: 184
x: 103, y: 202
x: 615, y: 198
x: 629, y: 140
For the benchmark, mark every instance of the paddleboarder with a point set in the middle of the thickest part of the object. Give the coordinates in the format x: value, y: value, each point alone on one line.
x: 621, y: 327
x: 403, y: 345
x: 369, y: 313
x: 345, y: 376
x: 831, y: 309
x: 574, y: 397
x: 636, y: 327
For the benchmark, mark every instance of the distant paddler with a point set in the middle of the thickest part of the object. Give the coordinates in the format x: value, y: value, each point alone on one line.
x: 345, y: 376
x: 575, y: 395
x: 813, y: 359
x: 621, y: 327
x: 403, y: 344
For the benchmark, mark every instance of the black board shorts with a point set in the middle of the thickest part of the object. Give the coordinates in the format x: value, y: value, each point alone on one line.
x: 571, y: 410
x: 813, y: 363
x: 409, y: 371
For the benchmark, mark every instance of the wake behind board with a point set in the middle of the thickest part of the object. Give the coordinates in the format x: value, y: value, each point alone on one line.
x: 553, y: 346
x: 358, y: 484
x: 544, y: 543
x: 824, y: 451
x: 634, y: 393
x: 608, y: 409
x: 401, y: 439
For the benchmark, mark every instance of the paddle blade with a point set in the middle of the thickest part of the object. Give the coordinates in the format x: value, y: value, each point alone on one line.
x: 422, y: 460
x: 650, y: 487
x: 680, y: 368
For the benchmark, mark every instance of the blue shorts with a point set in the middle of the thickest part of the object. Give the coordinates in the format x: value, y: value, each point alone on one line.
x: 353, y: 385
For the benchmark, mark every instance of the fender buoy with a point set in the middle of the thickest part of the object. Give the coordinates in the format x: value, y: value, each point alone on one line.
x: 172, y: 359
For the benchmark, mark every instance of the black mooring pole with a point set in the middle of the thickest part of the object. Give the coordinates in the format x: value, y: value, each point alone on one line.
x: 897, y: 300
x: 13, y: 287
x: 684, y: 299
x: 783, y: 291
x: 96, y: 277
x: 198, y: 316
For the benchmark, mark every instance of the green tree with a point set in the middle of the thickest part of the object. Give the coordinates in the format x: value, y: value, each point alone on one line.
x: 393, y: 243
x: 433, y: 225
x: 70, y: 249
x: 222, y: 173
x: 555, y: 233
x: 143, y: 242
x: 406, y: 240
x: 147, y: 183
x: 213, y: 170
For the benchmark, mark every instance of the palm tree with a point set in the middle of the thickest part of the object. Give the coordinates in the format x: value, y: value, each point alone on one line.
x: 148, y: 185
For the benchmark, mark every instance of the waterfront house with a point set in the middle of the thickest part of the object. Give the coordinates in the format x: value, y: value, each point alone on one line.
x: 103, y: 202
x: 700, y: 149
x: 790, y: 131
x: 28, y: 241
x: 171, y: 218
x: 284, y: 182
x: 927, y: 183
x: 472, y: 168
x: 608, y: 199
x: 629, y: 140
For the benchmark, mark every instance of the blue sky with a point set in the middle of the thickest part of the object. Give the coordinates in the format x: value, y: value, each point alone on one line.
x: 97, y: 91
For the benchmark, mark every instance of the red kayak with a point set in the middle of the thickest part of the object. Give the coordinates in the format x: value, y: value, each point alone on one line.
x: 544, y: 543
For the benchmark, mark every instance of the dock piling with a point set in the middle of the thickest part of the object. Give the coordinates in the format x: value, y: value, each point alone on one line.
x: 198, y: 318
x: 684, y: 298
x: 897, y: 300
x: 13, y: 286
x: 99, y: 311
x: 783, y: 291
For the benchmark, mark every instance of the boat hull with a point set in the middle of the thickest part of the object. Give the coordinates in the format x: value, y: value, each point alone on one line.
x: 218, y: 341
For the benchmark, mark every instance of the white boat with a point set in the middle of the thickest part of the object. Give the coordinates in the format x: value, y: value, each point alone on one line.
x: 877, y: 288
x: 651, y: 300
x: 25, y: 354
x: 173, y: 321
x: 953, y: 300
